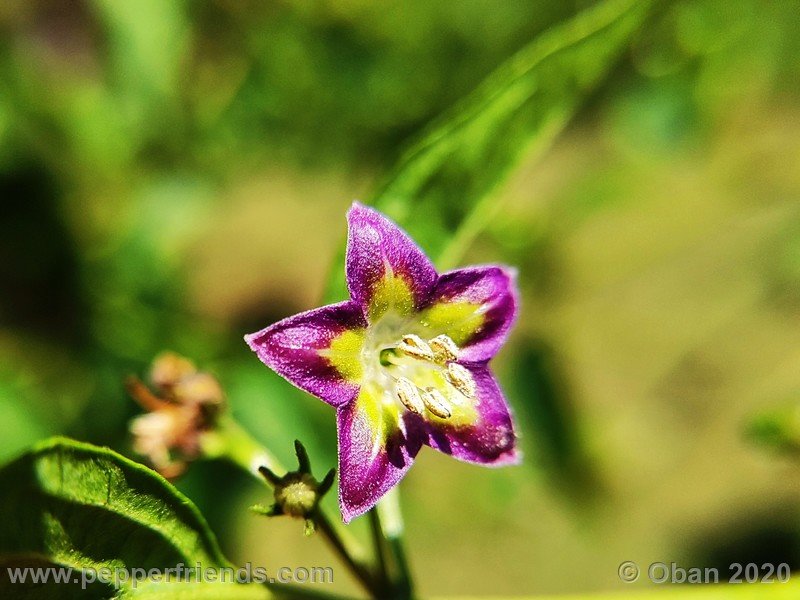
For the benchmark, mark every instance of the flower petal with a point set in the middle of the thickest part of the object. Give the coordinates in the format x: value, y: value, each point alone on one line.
x: 317, y: 350
x: 385, y: 268
x: 476, y: 307
x: 374, y: 451
x: 490, y: 439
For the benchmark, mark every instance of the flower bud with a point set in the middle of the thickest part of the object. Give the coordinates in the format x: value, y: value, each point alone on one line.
x: 297, y: 493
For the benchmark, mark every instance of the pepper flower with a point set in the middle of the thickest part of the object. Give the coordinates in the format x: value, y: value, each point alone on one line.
x: 404, y: 361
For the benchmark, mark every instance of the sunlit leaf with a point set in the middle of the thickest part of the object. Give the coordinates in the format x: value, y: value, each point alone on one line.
x: 83, y: 507
x: 441, y: 189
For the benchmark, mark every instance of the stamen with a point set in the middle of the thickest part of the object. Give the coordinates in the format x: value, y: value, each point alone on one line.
x: 436, y: 402
x: 444, y: 349
x: 415, y: 346
x: 460, y: 378
x: 409, y: 395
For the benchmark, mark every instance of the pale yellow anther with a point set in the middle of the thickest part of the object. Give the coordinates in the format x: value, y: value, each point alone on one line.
x: 409, y: 395
x: 444, y: 349
x: 460, y: 378
x: 415, y: 346
x: 436, y: 403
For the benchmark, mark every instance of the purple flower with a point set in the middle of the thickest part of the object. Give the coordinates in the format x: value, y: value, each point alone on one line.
x: 404, y: 361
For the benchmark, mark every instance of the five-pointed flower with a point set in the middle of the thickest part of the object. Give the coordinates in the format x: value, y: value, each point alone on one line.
x: 404, y: 361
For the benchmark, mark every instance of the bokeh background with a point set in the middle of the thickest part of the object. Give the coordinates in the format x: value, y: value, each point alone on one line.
x: 176, y: 174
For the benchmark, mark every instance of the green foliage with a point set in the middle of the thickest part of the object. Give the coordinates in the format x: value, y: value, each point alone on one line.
x: 777, y: 429
x: 440, y: 189
x: 554, y: 443
x: 84, y: 507
x: 655, y: 246
x: 80, y: 506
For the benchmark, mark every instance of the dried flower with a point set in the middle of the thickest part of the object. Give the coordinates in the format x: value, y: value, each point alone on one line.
x: 185, y: 405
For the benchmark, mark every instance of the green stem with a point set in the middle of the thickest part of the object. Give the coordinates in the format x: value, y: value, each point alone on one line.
x: 231, y: 441
x: 379, y: 545
x: 283, y: 591
x: 359, y: 569
x: 390, y: 521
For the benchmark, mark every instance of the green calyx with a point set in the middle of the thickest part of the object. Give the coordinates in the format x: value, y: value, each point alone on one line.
x: 297, y: 494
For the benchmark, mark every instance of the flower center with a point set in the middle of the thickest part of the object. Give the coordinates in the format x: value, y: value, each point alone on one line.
x: 424, y: 375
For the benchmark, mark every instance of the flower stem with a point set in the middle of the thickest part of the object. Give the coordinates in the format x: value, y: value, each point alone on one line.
x: 283, y: 591
x: 231, y: 441
x: 379, y: 545
x: 389, y: 520
x: 359, y: 568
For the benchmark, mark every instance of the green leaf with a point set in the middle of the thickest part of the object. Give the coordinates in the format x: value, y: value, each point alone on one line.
x: 441, y: 189
x: 554, y: 440
x: 777, y: 429
x: 147, y: 41
x: 192, y: 590
x: 75, y: 505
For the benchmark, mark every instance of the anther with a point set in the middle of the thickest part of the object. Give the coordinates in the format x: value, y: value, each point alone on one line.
x: 460, y: 378
x: 415, y: 346
x: 409, y: 395
x: 436, y: 402
x: 444, y: 349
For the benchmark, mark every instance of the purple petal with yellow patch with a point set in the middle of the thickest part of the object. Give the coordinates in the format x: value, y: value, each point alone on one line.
x: 385, y: 269
x: 388, y: 407
x: 476, y: 307
x: 316, y: 350
x: 374, y: 452
x: 489, y: 440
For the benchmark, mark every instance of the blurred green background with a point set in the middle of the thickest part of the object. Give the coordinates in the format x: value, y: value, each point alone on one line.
x: 175, y: 174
